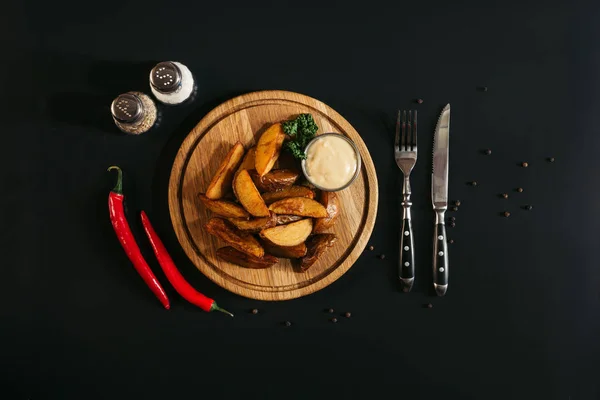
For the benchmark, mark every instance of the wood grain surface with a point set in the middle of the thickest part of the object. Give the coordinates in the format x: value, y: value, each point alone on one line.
x: 243, y: 119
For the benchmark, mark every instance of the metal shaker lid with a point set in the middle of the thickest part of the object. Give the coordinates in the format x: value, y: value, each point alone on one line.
x: 165, y: 77
x: 127, y: 108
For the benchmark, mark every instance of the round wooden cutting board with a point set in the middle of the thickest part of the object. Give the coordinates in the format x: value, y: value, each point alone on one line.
x: 243, y: 119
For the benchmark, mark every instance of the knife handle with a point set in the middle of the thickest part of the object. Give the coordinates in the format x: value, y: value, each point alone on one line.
x: 440, y: 255
x: 406, y: 268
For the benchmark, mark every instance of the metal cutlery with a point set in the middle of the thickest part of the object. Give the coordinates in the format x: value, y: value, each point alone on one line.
x: 439, y: 198
x: 405, y: 153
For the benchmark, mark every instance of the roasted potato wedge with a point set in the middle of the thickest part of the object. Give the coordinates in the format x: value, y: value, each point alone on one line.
x: 297, y: 251
x: 221, y: 182
x: 275, y: 180
x: 268, y: 148
x: 224, y: 208
x: 292, y: 191
x: 254, y: 225
x: 331, y: 202
x: 317, y: 245
x: 299, y: 206
x: 228, y: 233
x: 288, y: 235
x: 286, y: 219
x: 234, y: 256
x: 249, y: 159
x: 248, y: 195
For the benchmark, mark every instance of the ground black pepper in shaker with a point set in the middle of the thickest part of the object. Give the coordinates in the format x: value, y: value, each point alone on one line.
x: 134, y: 113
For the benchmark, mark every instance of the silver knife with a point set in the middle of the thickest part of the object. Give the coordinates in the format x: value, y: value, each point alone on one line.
x: 439, y: 197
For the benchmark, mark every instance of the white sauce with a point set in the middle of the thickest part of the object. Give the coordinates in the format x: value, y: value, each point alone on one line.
x: 331, y: 162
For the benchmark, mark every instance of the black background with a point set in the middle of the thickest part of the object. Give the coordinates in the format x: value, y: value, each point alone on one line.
x: 521, y: 317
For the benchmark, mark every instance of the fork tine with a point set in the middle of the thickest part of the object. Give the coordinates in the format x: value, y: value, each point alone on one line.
x: 414, y: 141
x: 409, y: 132
x: 403, y: 144
x: 397, y: 140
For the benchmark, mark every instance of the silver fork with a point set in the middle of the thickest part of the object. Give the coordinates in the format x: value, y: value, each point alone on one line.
x: 405, y: 152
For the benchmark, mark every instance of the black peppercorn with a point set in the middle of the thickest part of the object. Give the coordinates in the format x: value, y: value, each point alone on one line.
x: 504, y: 195
x: 330, y: 311
x: 551, y: 159
x: 473, y: 183
x: 348, y: 315
x: 487, y: 152
x: 506, y: 214
x: 453, y: 219
x: 520, y: 190
x: 451, y: 241
x: 334, y: 320
x: 454, y: 208
x: 420, y: 101
x: 382, y: 257
x: 429, y: 305
x: 524, y: 164
x: 288, y: 323
x: 483, y: 88
x: 457, y: 203
x: 452, y: 224
x: 255, y: 311
x: 371, y: 248
x: 528, y: 207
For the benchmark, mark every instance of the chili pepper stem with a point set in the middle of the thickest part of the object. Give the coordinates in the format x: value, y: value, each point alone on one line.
x: 215, y: 307
x: 119, y: 186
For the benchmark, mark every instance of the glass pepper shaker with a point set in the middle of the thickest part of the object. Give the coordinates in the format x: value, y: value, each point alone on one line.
x: 171, y: 82
x: 134, y: 112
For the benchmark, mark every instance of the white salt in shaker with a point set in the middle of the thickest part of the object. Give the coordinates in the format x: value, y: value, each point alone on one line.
x: 171, y: 82
x: 134, y: 112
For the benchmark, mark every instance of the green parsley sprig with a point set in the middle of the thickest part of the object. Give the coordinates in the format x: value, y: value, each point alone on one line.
x: 302, y: 130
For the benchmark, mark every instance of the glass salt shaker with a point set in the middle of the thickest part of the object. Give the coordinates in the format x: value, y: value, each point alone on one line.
x: 134, y: 112
x: 171, y: 82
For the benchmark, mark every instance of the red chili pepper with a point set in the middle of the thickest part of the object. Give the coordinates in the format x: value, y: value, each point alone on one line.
x: 174, y: 276
x: 121, y: 226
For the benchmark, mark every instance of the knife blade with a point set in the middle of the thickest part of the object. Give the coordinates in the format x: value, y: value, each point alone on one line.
x: 439, y: 198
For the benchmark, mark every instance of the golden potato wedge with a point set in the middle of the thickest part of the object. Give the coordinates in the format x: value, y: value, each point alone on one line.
x: 268, y: 148
x: 234, y: 256
x: 297, y: 251
x: 288, y: 235
x: 242, y: 241
x: 221, y: 182
x: 331, y: 202
x: 299, y: 206
x: 292, y: 191
x: 286, y: 219
x: 317, y: 245
x: 254, y: 225
x: 248, y: 195
x: 275, y: 180
x: 224, y: 208
x: 249, y: 159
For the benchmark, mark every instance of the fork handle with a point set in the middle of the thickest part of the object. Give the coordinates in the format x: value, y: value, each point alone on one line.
x: 406, y: 268
x: 440, y: 255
